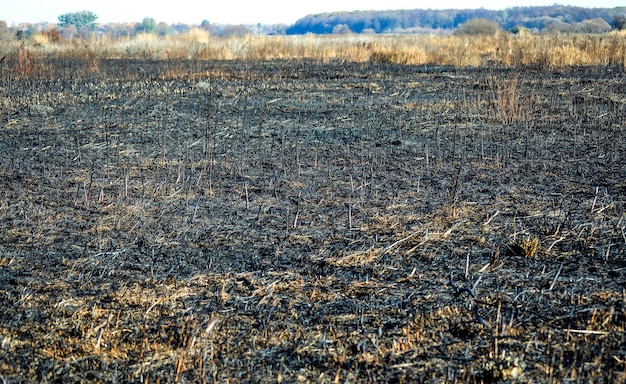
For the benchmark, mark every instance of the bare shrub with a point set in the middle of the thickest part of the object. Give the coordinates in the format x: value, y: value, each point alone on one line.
x: 478, y: 26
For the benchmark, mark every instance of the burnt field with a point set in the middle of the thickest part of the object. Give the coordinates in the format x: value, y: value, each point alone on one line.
x: 284, y: 221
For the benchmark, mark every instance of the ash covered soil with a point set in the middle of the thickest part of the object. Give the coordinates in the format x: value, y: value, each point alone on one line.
x: 304, y: 221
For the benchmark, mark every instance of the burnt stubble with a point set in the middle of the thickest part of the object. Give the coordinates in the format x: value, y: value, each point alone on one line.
x: 201, y: 221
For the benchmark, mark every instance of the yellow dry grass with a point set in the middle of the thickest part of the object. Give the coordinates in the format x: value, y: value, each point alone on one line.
x: 504, y: 49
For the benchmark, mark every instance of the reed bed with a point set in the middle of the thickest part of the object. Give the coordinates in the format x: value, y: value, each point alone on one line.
x: 503, y: 49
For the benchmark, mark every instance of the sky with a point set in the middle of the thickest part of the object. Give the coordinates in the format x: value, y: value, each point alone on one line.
x: 240, y: 12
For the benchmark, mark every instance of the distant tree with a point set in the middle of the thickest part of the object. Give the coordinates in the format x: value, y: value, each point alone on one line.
x: 341, y: 29
x: 234, y: 30
x: 592, y: 26
x: 557, y: 26
x: 207, y: 26
x: 80, y: 20
x: 180, y: 28
x: 164, y: 29
x: 619, y: 21
x: 68, y: 32
x: 117, y: 30
x: 478, y: 26
x: 388, y: 23
x: 274, y: 29
x: 148, y: 25
x: 534, y: 18
x: 5, y: 32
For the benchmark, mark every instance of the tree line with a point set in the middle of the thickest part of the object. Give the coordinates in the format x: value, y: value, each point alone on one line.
x: 556, y: 18
x: 84, y: 24
x: 547, y: 18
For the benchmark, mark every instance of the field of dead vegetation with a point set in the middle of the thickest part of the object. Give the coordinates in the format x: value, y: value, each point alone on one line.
x: 300, y: 221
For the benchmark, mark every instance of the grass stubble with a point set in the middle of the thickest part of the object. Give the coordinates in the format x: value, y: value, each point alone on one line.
x: 311, y: 220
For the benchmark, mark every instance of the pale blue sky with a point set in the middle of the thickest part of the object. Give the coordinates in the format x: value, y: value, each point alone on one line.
x: 237, y: 11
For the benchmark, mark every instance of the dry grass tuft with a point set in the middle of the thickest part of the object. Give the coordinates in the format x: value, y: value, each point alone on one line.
x: 526, y: 247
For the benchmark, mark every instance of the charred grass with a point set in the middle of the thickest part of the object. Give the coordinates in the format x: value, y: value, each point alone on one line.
x: 196, y: 221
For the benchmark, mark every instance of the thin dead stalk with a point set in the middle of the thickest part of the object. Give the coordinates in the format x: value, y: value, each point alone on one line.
x: 558, y: 273
x: 491, y: 218
x: 555, y: 242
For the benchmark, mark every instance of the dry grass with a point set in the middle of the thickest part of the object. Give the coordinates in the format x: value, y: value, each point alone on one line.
x: 545, y: 51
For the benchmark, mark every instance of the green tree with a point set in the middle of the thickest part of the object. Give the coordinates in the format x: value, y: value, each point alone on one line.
x: 149, y: 25
x: 80, y: 20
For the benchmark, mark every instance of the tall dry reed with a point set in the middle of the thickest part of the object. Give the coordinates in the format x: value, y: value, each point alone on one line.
x: 503, y: 49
